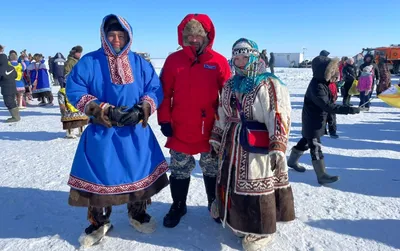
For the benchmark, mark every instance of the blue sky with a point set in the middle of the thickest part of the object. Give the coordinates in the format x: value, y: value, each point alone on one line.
x: 342, y: 27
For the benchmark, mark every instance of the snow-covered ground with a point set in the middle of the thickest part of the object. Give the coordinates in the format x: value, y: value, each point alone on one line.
x: 360, y: 212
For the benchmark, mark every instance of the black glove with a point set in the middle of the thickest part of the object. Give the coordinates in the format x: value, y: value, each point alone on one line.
x: 133, y: 116
x: 116, y: 114
x: 166, y: 129
x: 354, y: 110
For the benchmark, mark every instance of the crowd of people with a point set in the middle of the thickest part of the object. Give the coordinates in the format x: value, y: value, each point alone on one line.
x: 237, y: 116
x: 32, y: 78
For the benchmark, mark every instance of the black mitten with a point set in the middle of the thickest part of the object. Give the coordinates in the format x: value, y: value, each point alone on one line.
x: 116, y: 114
x: 133, y: 116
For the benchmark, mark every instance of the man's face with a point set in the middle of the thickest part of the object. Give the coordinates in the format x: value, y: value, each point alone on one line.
x: 77, y: 55
x: 117, y: 39
x: 196, y: 40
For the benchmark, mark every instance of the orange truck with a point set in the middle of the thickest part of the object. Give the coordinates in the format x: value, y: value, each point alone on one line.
x: 390, y: 53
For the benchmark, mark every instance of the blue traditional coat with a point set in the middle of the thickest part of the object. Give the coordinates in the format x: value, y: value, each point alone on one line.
x: 115, y: 160
x: 38, y: 72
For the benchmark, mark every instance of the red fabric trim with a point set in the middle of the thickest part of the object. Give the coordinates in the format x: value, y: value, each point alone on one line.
x: 80, y: 184
x: 151, y: 102
x: 83, y: 101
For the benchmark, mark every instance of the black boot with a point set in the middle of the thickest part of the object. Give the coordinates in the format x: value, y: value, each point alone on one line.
x: 333, y: 135
x: 179, y: 191
x: 210, y: 183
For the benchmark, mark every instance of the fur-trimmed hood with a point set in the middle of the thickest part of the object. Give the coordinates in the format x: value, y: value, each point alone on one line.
x: 200, y: 24
x: 325, y: 69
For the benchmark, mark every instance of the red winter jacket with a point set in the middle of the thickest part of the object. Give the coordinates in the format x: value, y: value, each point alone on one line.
x: 191, y: 90
x: 333, y: 88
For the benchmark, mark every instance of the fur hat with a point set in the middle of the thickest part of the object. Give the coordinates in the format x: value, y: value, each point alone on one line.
x: 325, y: 69
x: 193, y: 27
x: 76, y: 49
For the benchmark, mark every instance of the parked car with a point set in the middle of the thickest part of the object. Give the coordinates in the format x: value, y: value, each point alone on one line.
x: 305, y: 64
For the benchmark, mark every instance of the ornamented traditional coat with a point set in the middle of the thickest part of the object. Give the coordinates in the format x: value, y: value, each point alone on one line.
x: 251, y: 196
x: 117, y: 160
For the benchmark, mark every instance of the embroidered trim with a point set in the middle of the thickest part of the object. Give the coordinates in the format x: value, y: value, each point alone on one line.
x: 212, y: 141
x: 85, y: 99
x: 244, y: 185
x: 149, y: 100
x: 216, y: 134
x: 80, y: 184
x: 119, y: 66
x: 272, y: 96
x: 278, y: 143
x: 217, y: 131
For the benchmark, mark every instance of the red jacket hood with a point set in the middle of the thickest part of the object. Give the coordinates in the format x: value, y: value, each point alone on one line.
x: 205, y: 22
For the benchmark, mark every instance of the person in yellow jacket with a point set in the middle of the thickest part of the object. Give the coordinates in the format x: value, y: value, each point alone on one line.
x: 20, y: 83
x: 70, y: 116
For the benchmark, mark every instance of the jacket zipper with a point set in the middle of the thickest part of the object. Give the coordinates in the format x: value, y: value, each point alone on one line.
x: 203, y: 115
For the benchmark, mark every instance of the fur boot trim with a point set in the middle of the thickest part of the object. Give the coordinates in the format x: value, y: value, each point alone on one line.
x: 88, y: 240
x: 146, y: 228
x: 255, y: 243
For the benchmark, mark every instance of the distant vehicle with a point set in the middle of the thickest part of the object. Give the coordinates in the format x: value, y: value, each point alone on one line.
x: 390, y: 53
x: 305, y: 64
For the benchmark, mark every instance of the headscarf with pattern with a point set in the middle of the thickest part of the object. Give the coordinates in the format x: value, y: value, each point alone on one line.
x: 245, y: 79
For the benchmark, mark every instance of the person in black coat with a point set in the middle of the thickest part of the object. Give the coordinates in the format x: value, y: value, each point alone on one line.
x: 349, y: 75
x: 318, y: 102
x: 272, y: 62
x: 316, y: 60
x: 58, y: 65
x: 9, y: 87
x: 264, y: 57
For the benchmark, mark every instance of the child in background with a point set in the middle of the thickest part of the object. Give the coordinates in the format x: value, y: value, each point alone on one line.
x: 331, y: 119
x: 365, y: 83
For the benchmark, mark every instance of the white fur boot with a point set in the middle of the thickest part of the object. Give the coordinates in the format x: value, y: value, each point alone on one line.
x: 146, y: 227
x: 88, y: 240
x: 255, y: 243
x: 70, y: 135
